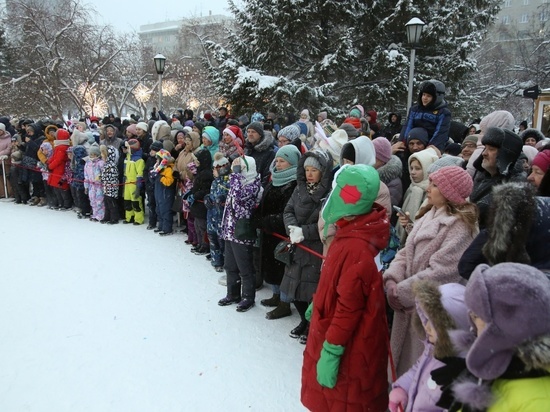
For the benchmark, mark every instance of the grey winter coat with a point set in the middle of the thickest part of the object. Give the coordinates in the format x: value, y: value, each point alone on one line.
x: 302, y: 276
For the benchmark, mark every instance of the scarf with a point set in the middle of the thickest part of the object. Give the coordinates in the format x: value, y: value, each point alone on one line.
x: 312, y: 187
x: 282, y: 177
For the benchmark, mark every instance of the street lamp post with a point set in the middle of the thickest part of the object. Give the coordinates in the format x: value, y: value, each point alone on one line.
x: 414, y: 31
x: 160, y: 61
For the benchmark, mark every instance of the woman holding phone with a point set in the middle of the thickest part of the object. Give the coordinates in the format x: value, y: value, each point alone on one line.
x: 442, y: 231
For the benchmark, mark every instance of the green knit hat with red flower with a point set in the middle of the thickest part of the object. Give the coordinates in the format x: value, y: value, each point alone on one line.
x: 354, y: 190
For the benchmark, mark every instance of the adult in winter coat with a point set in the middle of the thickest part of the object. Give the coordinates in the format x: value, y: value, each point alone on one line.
x: 345, y: 359
x: 269, y: 218
x: 497, y: 164
x: 165, y: 190
x: 260, y: 146
x: 439, y: 310
x: 441, y: 233
x: 30, y: 175
x: 201, y: 188
x: 393, y: 126
x: 5, y: 152
x: 431, y: 113
x: 134, y: 166
x: 57, y: 165
x: 150, y: 184
x: 244, y: 194
x: 509, y: 359
x: 518, y: 230
x: 314, y: 176
x: 211, y: 139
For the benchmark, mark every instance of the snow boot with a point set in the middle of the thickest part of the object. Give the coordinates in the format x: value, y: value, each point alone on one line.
x: 245, y: 305
x: 281, y: 311
x: 272, y: 302
x: 300, y: 329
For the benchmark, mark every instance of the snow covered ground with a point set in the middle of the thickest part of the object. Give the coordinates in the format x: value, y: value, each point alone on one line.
x: 115, y: 318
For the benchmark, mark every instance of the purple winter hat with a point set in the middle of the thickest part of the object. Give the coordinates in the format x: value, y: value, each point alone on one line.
x: 514, y: 301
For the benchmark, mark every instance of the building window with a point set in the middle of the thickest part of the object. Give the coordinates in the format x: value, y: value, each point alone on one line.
x: 543, y: 16
x: 507, y: 3
x: 525, y: 2
x: 505, y: 19
x: 524, y: 18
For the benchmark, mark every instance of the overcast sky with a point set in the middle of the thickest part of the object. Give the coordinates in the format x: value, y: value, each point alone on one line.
x: 127, y: 15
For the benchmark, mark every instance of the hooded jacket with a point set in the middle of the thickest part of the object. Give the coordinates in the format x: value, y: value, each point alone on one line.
x: 348, y: 310
x: 444, y: 307
x: 392, y: 128
x: 435, y: 118
x: 263, y: 153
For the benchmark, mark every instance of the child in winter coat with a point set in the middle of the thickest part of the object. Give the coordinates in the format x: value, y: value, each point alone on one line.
x: 134, y: 166
x: 165, y: 190
x: 345, y: 359
x: 20, y: 191
x: 45, y: 154
x: 78, y: 162
x: 110, y: 181
x: 57, y: 167
x: 509, y: 304
x: 215, y: 203
x: 93, y: 186
x: 416, y: 193
x: 243, y: 197
x: 440, y: 310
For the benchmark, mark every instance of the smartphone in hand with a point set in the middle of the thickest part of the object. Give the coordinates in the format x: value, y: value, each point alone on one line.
x: 401, y: 212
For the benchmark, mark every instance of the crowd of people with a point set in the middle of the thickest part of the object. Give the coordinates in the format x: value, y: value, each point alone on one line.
x: 413, y: 253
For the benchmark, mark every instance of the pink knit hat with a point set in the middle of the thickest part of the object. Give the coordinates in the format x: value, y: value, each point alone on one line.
x: 542, y: 160
x: 454, y: 183
x: 382, y: 148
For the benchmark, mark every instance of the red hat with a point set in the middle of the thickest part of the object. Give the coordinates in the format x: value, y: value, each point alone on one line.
x: 62, y: 134
x: 542, y: 160
x: 236, y: 133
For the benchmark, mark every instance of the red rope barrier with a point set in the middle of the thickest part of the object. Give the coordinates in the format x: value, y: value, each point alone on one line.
x: 314, y: 253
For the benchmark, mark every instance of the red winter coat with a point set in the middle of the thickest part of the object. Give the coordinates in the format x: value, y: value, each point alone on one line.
x: 349, y: 310
x: 57, y: 164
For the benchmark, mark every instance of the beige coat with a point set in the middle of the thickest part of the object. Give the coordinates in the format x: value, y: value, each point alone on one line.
x: 432, y: 251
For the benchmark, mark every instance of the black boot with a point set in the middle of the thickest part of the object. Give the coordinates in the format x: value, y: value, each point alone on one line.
x: 300, y: 329
x: 281, y: 311
x: 272, y: 302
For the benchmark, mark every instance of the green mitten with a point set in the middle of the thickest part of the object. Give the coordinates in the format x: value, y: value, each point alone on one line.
x: 328, y: 364
x: 309, y: 312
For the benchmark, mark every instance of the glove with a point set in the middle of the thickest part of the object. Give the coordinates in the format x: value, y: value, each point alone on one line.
x: 328, y: 364
x: 398, y: 397
x: 309, y: 312
x: 296, y: 234
x: 176, y: 174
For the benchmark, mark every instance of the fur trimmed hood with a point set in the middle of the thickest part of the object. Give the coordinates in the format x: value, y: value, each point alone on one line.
x: 444, y: 306
x: 391, y: 170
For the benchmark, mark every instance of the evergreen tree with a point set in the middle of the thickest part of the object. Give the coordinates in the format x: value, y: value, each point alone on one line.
x: 329, y: 54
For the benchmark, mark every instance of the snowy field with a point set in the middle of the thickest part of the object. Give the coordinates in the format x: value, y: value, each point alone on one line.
x: 115, y: 318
